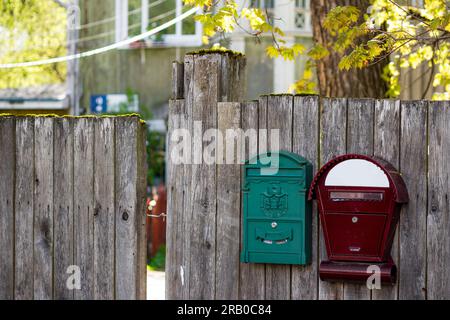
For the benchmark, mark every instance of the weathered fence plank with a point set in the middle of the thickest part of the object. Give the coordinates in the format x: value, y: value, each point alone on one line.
x: 24, y: 190
x: 279, y: 117
x: 360, y: 119
x: 83, y: 202
x: 387, y: 146
x: 203, y: 178
x: 252, y: 276
x: 7, y: 170
x: 333, y: 143
x: 187, y: 212
x: 63, y: 207
x: 127, y: 218
x: 104, y: 209
x: 175, y: 227
x: 228, y: 203
x: 305, y: 141
x: 413, y: 223
x: 177, y: 80
x: 438, y: 218
x: 43, y: 208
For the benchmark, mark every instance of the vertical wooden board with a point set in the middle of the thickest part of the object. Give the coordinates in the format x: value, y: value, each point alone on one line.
x: 263, y: 143
x: 332, y: 143
x: 413, y: 219
x: 438, y: 219
x: 43, y: 208
x: 63, y: 207
x: 104, y: 210
x: 141, y: 213
x: 360, y: 128
x: 228, y: 204
x: 142, y: 210
x: 24, y: 189
x: 252, y: 276
x: 175, y: 184
x: 186, y: 121
x: 203, y: 179
x: 7, y: 171
x: 387, y: 147
x: 177, y: 80
x: 279, y: 117
x: 171, y: 222
x: 83, y: 202
x: 126, y: 264
x: 305, y: 141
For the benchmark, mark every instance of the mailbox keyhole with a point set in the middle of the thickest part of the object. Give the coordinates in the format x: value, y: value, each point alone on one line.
x: 274, y: 225
x: 355, y: 219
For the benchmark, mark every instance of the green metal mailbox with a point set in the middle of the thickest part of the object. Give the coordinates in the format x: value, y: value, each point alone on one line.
x: 276, y: 211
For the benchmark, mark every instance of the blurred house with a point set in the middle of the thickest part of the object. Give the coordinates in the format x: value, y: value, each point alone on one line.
x: 145, y: 67
x: 50, y: 99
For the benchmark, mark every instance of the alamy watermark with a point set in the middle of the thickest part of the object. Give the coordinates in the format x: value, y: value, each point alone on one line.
x: 227, y: 146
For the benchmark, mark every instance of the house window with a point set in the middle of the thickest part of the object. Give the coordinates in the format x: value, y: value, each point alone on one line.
x: 138, y: 16
x: 302, y: 15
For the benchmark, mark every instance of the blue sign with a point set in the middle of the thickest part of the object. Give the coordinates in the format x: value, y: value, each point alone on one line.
x: 98, y: 104
x: 103, y: 103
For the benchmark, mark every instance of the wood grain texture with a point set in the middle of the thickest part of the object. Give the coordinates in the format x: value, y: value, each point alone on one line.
x: 126, y: 244
x: 387, y: 147
x: 104, y: 209
x: 83, y: 202
x: 413, y: 218
x: 43, y: 208
x: 438, y: 218
x: 24, y: 190
x: 279, y: 117
x: 333, y: 143
x: 177, y: 80
x: 7, y: 171
x: 63, y: 207
x: 360, y: 128
x: 186, y: 121
x: 228, y: 203
x: 141, y: 214
x: 305, y: 141
x: 175, y: 183
x: 206, y: 94
x: 252, y: 276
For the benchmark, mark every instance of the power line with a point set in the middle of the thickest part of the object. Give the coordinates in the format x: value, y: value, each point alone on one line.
x: 102, y: 49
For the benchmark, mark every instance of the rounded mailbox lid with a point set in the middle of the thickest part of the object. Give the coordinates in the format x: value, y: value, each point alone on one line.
x: 355, y: 170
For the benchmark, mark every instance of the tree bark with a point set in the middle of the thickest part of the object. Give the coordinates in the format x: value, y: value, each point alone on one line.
x: 354, y: 83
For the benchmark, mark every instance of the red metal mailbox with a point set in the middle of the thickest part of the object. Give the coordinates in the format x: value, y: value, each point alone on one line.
x: 359, y: 199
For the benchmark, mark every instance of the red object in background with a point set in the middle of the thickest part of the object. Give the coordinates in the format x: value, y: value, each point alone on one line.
x: 156, y: 223
x: 358, y: 222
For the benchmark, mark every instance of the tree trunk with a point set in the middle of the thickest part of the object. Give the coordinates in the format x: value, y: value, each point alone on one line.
x: 355, y: 83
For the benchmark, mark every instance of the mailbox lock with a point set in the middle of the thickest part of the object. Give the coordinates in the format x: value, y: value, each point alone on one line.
x: 355, y: 219
x: 274, y: 225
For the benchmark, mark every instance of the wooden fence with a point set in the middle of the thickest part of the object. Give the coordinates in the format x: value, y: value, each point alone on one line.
x: 72, y: 192
x: 204, y: 204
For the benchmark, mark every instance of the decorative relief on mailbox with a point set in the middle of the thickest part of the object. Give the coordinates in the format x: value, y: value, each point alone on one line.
x: 276, y: 213
x: 359, y: 201
x: 274, y: 202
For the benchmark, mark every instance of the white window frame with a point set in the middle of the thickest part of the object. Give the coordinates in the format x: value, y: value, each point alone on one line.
x: 307, y: 11
x: 169, y: 40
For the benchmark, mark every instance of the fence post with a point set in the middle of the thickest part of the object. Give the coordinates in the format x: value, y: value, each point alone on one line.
x: 209, y: 78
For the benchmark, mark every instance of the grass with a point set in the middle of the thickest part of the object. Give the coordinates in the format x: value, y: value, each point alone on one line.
x: 158, y: 262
